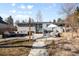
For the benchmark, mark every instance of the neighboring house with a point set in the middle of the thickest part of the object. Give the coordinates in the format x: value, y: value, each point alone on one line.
x: 5, y: 27
x: 36, y: 27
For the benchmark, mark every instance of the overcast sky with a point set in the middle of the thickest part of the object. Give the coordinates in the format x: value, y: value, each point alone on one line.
x: 21, y: 11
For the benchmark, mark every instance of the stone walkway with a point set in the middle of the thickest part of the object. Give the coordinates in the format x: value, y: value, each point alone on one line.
x: 39, y: 51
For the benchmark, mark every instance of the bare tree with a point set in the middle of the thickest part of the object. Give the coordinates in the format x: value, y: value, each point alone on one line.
x: 39, y: 16
x: 23, y: 21
x: 9, y: 20
x: 54, y: 21
x: 17, y: 22
x: 68, y: 9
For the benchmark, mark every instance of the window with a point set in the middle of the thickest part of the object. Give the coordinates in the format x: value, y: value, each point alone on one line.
x: 40, y: 25
x: 47, y: 24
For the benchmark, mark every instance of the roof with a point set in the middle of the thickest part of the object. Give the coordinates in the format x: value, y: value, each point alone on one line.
x: 32, y: 24
x: 5, y: 26
x: 1, y: 21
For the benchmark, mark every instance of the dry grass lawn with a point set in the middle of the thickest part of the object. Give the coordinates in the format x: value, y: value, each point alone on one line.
x: 67, y: 46
x: 15, y: 51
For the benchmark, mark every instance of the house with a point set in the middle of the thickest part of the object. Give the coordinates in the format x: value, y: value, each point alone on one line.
x: 37, y: 27
x: 5, y: 27
x: 46, y: 28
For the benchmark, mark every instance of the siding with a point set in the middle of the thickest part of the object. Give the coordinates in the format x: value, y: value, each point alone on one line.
x: 25, y: 30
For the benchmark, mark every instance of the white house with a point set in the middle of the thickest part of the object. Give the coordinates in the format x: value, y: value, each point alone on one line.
x: 35, y: 27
